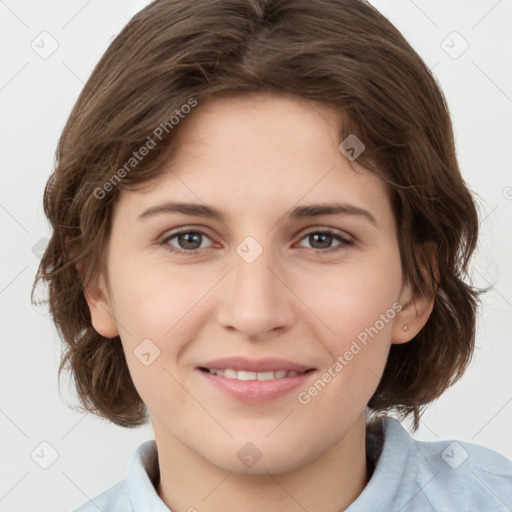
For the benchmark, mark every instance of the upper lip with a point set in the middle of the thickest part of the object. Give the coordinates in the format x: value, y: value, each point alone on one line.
x: 269, y: 364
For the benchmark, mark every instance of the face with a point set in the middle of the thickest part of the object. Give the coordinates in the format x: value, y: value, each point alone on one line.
x: 254, y: 317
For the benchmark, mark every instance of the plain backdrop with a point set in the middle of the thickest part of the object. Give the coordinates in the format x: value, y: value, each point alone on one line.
x: 468, y: 46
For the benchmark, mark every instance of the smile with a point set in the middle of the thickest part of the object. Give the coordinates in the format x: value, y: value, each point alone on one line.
x: 230, y: 373
x: 254, y: 381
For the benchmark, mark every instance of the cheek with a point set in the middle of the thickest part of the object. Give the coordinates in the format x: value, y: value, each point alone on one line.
x: 153, y: 301
x: 157, y: 310
x: 153, y: 308
x: 356, y: 304
x: 351, y: 299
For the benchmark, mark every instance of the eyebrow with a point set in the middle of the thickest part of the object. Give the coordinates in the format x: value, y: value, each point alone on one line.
x: 299, y: 212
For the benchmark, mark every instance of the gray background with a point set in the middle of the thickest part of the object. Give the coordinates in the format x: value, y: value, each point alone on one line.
x: 36, y: 96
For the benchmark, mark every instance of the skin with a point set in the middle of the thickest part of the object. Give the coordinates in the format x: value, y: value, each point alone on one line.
x: 257, y: 157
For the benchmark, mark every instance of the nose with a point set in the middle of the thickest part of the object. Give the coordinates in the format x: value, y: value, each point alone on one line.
x: 256, y: 299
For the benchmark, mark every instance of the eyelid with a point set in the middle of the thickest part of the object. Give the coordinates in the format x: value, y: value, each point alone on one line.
x: 179, y: 231
x: 333, y: 231
x: 344, y: 238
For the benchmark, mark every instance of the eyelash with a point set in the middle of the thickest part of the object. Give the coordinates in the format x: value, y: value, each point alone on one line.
x: 344, y: 242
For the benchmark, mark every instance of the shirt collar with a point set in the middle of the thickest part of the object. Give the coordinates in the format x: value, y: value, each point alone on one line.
x: 384, y: 485
x: 142, y: 475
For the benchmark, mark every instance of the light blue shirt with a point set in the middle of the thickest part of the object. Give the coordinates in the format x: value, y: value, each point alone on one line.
x: 409, y: 476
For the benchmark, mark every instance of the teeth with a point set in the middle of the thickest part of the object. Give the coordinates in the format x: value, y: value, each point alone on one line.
x: 245, y: 375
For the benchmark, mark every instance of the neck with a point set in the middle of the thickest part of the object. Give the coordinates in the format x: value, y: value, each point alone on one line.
x: 329, y: 483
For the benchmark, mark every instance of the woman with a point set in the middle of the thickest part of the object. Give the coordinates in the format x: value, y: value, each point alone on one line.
x: 305, y: 152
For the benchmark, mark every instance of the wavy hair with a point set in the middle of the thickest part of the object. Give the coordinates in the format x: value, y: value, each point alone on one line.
x: 343, y: 53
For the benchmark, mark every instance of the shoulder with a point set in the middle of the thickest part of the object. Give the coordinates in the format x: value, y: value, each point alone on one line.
x: 137, y: 490
x: 459, y: 473
x: 459, y: 469
x: 115, y: 499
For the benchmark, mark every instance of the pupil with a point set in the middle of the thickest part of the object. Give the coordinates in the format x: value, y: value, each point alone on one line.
x: 323, y: 243
x: 189, y: 238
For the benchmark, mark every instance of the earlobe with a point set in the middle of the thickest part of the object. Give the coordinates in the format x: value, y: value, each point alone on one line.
x: 413, y: 316
x: 102, y: 316
x: 417, y: 308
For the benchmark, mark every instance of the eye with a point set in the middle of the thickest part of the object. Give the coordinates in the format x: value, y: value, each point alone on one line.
x: 188, y: 241
x: 323, y: 239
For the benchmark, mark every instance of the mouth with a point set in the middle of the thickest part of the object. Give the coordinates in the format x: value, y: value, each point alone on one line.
x: 255, y: 381
x: 245, y: 375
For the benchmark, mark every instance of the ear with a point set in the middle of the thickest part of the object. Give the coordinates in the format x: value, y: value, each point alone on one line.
x: 102, y: 315
x: 416, y: 309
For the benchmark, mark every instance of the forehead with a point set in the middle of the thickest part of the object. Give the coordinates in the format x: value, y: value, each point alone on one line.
x: 261, y: 153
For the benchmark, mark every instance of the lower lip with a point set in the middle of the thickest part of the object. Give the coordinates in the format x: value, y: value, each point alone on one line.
x: 257, y: 391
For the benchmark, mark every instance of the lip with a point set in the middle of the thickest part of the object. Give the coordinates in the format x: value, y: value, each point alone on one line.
x: 269, y: 364
x: 255, y: 391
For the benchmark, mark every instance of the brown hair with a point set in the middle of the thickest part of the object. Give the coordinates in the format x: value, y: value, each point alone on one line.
x: 342, y: 53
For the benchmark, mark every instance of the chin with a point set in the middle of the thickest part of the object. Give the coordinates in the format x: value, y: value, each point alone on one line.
x: 251, y: 460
